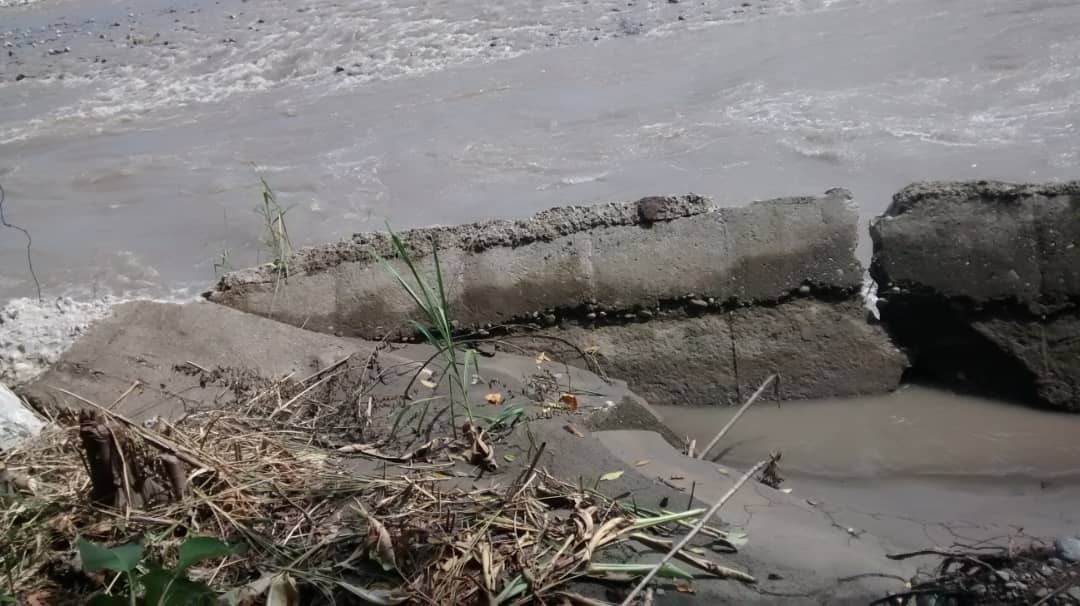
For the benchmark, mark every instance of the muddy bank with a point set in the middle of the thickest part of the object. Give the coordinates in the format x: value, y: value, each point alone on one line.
x: 658, y: 290
x: 980, y: 282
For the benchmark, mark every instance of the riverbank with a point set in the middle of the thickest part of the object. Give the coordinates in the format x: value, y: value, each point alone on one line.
x: 347, y: 357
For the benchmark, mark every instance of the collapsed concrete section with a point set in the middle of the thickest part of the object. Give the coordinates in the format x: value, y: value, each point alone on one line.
x: 980, y: 282
x: 690, y: 303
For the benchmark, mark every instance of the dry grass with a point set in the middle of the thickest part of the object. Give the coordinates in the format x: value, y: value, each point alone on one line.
x: 418, y: 532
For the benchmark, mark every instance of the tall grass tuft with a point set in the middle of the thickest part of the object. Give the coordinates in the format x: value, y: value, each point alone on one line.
x: 437, y: 328
x: 276, y: 232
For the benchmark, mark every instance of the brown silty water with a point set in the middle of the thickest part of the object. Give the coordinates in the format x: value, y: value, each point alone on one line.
x: 921, y: 466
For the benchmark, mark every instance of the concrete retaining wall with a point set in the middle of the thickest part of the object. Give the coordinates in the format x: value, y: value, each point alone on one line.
x: 693, y: 302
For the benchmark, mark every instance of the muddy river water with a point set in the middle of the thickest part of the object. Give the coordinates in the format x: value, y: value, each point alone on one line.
x: 918, y: 466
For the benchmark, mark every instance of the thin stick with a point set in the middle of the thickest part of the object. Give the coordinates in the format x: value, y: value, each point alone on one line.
x: 731, y: 423
x: 298, y: 396
x: 127, y: 393
x: 693, y: 531
x: 525, y: 478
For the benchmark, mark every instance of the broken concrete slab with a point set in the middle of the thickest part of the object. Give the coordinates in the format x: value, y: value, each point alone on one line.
x: 565, y: 259
x: 155, y: 357
x: 980, y: 281
x: 819, y: 350
x: 658, y: 286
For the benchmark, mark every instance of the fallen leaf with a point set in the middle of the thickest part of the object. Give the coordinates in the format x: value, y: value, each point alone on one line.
x: 574, y: 430
x: 641, y: 463
x: 611, y: 476
x: 509, y: 458
x: 481, y: 455
x: 569, y: 400
x: 543, y: 357
x: 494, y: 398
x: 380, y: 547
x: 429, y: 384
x: 684, y: 588
x: 785, y: 490
x: 283, y: 592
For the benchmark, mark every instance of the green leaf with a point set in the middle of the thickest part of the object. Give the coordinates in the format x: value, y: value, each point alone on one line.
x: 102, y: 599
x: 123, y: 558
x: 197, y: 549
x: 169, y: 588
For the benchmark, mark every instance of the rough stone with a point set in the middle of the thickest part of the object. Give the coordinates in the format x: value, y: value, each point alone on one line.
x: 1068, y: 547
x: 982, y: 281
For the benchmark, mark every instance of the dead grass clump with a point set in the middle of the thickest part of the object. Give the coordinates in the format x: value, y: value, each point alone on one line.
x: 413, y: 529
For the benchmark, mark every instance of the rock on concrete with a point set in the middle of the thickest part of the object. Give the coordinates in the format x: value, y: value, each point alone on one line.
x: 981, y: 281
x: 660, y: 285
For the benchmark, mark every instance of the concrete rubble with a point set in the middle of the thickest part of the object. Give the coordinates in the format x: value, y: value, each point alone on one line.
x: 980, y: 283
x: 712, y: 300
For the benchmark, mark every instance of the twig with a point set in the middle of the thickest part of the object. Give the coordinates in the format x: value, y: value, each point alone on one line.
x: 124, y: 395
x: 735, y: 418
x: 702, y: 563
x: 524, y: 478
x: 29, y: 242
x: 298, y: 396
x: 693, y: 531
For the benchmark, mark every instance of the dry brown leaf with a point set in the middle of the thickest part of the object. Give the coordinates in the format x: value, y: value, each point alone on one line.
x: 494, y: 398
x: 481, y: 453
x: 611, y: 476
x: 380, y: 546
x: 573, y: 430
x: 569, y: 400
x: 683, y: 588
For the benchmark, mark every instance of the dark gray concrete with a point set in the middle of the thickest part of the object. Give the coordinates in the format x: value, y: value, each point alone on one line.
x: 981, y: 282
